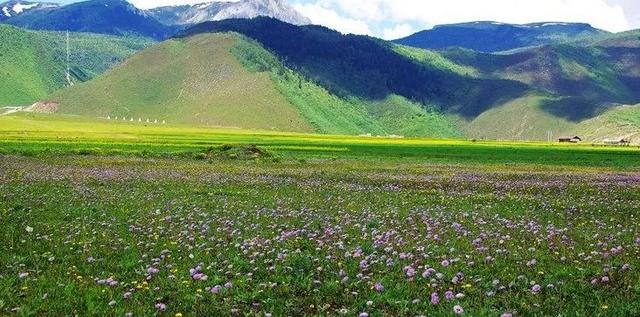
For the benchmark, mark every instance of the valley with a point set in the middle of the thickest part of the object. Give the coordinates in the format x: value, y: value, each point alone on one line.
x: 555, y: 79
x: 243, y: 158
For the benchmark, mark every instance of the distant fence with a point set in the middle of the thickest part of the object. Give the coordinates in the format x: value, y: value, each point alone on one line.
x: 139, y: 120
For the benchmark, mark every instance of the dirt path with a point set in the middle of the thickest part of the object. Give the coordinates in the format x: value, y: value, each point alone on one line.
x: 9, y: 110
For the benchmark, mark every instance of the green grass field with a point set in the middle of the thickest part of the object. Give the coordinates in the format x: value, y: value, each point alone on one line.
x: 117, y: 218
x: 33, y: 63
x: 28, y: 133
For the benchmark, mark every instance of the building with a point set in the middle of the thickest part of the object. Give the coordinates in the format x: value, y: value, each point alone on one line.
x: 575, y: 139
x: 623, y: 142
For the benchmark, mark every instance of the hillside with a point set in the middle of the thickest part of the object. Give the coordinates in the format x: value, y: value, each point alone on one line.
x: 368, y: 86
x: 225, y: 79
x: 496, y: 37
x: 27, y: 70
x: 216, y: 11
x: 587, y: 78
x: 33, y: 63
x: 368, y: 68
x: 618, y: 123
x: 196, y: 81
x: 114, y: 17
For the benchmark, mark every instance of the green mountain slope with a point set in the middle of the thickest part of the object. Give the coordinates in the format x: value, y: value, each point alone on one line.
x: 27, y: 69
x: 329, y: 113
x: 586, y: 77
x: 618, y: 123
x: 267, y: 74
x: 32, y: 64
x: 195, y: 81
x: 571, y: 86
x: 225, y: 79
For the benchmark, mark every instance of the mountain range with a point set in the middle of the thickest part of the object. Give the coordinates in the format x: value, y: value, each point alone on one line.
x: 14, y: 8
x: 115, y: 17
x: 486, y: 36
x: 216, y: 11
x: 33, y: 63
x: 477, y: 79
x: 366, y: 86
x: 119, y: 17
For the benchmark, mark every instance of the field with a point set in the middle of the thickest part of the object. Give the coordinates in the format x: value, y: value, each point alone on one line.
x: 106, y: 218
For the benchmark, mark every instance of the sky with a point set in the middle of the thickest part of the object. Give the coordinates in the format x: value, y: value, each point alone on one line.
x: 391, y: 19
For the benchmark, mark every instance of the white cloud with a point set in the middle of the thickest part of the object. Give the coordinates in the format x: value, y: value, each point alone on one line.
x: 596, y: 12
x: 398, y: 31
x: 393, y: 16
x: 330, y: 18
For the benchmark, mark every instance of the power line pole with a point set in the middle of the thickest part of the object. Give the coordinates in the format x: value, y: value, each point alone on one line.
x: 68, y: 75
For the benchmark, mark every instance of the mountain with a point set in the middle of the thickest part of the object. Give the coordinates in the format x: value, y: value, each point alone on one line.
x: 496, y: 37
x: 33, y: 63
x: 15, y: 8
x: 365, y: 67
x: 216, y: 11
x: 571, y: 84
x: 228, y: 79
x: 267, y: 74
x: 115, y: 17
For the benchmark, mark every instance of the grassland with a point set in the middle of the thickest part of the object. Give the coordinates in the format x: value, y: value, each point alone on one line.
x: 33, y: 63
x: 28, y: 71
x: 332, y: 114
x: 228, y: 80
x: 34, y: 134
x: 195, y: 81
x: 115, y: 218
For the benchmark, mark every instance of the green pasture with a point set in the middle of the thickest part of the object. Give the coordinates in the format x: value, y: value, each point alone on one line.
x: 35, y: 134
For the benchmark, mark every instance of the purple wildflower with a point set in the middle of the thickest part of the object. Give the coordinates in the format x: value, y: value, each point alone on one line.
x: 449, y: 295
x: 435, y: 299
x: 161, y: 307
x: 536, y: 289
x: 216, y: 289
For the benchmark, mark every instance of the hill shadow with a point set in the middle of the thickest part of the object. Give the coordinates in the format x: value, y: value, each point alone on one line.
x: 365, y: 67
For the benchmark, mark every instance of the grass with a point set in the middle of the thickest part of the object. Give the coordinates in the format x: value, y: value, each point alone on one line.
x: 110, y: 218
x: 33, y: 63
x: 519, y: 119
x: 193, y: 81
x: 331, y: 114
x: 32, y: 134
x: 435, y: 59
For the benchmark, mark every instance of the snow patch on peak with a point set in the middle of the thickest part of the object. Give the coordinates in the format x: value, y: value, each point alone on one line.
x: 6, y: 12
x: 554, y: 23
x: 222, y: 10
x: 19, y: 7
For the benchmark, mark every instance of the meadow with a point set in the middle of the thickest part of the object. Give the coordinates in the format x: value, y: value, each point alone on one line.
x: 106, y: 218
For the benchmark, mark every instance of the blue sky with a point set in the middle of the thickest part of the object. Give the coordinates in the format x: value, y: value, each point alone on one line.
x: 391, y: 19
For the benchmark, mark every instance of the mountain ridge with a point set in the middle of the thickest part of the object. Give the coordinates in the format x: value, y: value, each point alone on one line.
x: 490, y: 36
x: 120, y: 17
x: 115, y: 17
x: 215, y: 11
x: 33, y: 63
